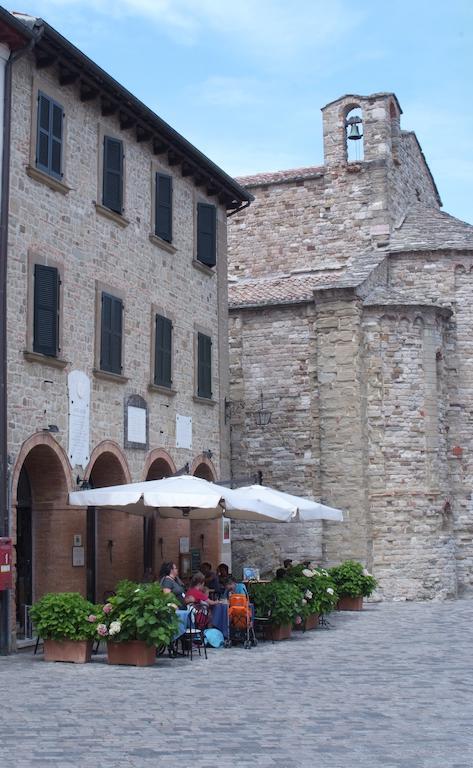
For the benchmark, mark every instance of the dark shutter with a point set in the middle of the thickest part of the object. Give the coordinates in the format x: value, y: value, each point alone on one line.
x: 49, y: 136
x: 204, y: 365
x: 113, y: 174
x: 163, y: 227
x: 111, y: 334
x: 46, y: 307
x: 163, y: 352
x: 206, y: 234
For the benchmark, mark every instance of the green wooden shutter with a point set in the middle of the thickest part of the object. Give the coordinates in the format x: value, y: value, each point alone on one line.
x: 46, y: 310
x: 49, y: 136
x: 163, y: 226
x: 111, y: 334
x: 113, y: 174
x: 204, y: 366
x: 206, y: 234
x: 163, y: 352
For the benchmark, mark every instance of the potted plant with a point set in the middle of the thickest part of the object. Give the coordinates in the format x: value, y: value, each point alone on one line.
x: 353, y: 583
x: 134, y: 621
x: 65, y: 621
x: 281, y: 602
x: 318, y: 594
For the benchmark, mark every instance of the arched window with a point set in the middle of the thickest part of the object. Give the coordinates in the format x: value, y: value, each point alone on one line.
x: 354, y: 135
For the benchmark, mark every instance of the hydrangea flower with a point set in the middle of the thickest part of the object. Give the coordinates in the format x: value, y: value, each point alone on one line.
x: 91, y: 618
x: 102, y: 630
x: 308, y: 594
x: 306, y: 572
x: 330, y: 590
x: 107, y: 607
x: 114, y: 628
x: 366, y: 573
x: 304, y: 602
x: 298, y: 620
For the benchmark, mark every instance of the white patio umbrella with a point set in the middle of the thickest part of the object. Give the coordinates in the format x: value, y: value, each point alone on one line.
x: 260, y: 497
x: 183, y: 496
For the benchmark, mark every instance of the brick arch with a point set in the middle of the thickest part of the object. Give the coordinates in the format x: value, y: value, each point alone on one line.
x: 203, y: 467
x: 158, y: 464
x: 108, y: 458
x: 44, y: 443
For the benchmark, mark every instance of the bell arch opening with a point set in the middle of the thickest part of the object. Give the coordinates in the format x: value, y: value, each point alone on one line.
x: 354, y: 134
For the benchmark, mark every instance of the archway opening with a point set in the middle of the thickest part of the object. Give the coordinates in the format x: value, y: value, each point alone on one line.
x: 114, y: 538
x: 354, y: 139
x: 206, y: 535
x: 44, y: 531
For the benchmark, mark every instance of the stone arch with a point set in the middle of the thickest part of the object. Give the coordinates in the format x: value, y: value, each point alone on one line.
x: 114, y: 541
x: 158, y: 464
x: 354, y: 133
x: 44, y: 524
x: 203, y: 467
x: 108, y: 459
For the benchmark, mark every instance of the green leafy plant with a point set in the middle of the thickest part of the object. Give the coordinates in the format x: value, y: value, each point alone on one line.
x: 138, y: 612
x: 280, y: 599
x: 317, y: 588
x: 63, y: 616
x: 352, y: 580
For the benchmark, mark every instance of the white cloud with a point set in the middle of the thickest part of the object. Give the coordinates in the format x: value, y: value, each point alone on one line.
x: 273, y: 29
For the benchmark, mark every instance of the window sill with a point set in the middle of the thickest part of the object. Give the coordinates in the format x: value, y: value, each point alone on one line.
x: 203, y: 267
x: 38, y: 357
x: 162, y: 390
x: 112, y: 215
x: 204, y: 400
x: 45, y: 178
x: 162, y: 243
x: 108, y: 376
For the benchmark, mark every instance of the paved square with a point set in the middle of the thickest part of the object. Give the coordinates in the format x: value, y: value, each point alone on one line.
x: 390, y: 687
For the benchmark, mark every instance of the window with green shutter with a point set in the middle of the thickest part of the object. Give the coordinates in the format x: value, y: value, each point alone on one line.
x: 163, y: 213
x: 163, y: 352
x: 204, y: 365
x: 113, y: 174
x: 207, y: 234
x: 46, y: 310
x: 111, y: 334
x: 49, y: 136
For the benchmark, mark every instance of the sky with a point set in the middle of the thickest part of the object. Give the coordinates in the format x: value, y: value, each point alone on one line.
x: 245, y: 81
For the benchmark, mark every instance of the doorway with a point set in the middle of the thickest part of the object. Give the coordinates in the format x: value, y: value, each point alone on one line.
x: 24, y: 557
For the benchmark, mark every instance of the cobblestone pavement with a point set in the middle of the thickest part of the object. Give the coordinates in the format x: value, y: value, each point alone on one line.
x: 390, y: 687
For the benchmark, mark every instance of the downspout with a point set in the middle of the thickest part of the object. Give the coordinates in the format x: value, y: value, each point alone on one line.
x: 6, y: 65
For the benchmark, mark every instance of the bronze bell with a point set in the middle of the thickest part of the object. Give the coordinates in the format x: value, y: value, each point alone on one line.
x: 354, y: 132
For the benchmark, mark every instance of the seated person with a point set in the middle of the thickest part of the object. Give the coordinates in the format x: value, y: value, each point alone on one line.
x: 233, y: 587
x: 222, y: 573
x: 198, y: 592
x: 281, y: 573
x: 170, y: 582
x: 210, y: 577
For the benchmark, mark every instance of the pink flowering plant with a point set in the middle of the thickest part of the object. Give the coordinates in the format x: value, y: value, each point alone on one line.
x: 137, y: 612
x: 63, y: 616
x: 319, y: 594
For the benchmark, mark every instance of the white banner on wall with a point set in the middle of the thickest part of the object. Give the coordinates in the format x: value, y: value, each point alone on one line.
x: 78, y: 384
x: 183, y: 431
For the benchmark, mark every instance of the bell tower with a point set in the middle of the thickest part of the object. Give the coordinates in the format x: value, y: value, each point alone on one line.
x: 361, y: 129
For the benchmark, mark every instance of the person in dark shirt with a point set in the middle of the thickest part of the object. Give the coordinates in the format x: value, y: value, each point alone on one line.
x: 211, y: 578
x: 169, y: 580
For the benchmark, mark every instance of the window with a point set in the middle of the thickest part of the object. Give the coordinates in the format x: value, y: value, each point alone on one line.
x: 111, y: 334
x: 204, y: 366
x: 163, y: 213
x: 163, y: 352
x: 49, y: 136
x: 46, y: 310
x: 206, y: 234
x: 112, y: 196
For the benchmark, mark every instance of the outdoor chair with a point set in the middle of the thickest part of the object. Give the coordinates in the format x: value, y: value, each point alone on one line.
x: 264, y: 623
x: 197, y: 622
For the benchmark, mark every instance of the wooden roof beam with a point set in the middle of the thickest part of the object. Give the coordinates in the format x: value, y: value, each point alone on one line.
x: 126, y: 120
x: 88, y: 91
x: 142, y: 133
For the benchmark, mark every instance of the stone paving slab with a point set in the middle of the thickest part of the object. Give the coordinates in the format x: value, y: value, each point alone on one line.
x: 390, y: 687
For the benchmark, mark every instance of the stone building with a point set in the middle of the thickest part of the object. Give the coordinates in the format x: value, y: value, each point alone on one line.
x: 351, y: 301
x: 117, y: 345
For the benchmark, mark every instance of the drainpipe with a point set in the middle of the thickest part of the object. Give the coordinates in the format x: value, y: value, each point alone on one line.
x: 6, y: 62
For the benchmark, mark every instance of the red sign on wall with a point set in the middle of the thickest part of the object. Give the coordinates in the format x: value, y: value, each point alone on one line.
x: 6, y: 566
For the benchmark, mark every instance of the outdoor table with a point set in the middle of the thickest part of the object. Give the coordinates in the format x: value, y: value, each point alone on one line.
x: 219, y: 614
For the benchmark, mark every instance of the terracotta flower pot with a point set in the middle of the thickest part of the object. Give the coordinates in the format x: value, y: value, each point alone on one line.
x: 311, y: 622
x: 350, y: 604
x: 76, y: 651
x: 135, y: 653
x: 281, y: 631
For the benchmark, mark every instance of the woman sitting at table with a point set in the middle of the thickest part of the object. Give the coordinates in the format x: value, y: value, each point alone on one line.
x: 170, y: 582
x: 197, y: 592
